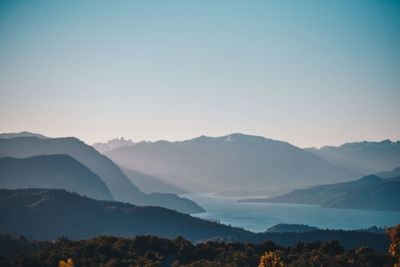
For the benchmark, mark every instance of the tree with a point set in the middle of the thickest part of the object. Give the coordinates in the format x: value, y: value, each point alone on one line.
x: 270, y: 259
x: 69, y: 263
x: 394, y: 249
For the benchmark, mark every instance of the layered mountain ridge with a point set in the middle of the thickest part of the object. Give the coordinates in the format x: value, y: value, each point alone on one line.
x: 232, y: 162
x: 363, y: 157
x: 121, y: 188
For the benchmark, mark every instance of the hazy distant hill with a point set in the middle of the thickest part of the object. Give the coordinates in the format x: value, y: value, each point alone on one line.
x: 22, y: 134
x: 119, y: 185
x: 151, y: 184
x: 112, y: 144
x: 232, y: 162
x: 363, y: 157
x: 52, y: 171
x: 393, y: 173
x: 369, y: 192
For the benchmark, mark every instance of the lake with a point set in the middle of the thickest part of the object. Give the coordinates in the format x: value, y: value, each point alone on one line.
x: 257, y: 217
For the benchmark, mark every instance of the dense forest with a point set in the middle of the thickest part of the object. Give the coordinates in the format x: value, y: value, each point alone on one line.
x: 149, y: 250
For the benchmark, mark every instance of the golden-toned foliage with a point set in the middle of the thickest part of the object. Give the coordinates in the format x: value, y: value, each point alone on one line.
x: 271, y: 259
x: 394, y: 249
x: 69, y: 263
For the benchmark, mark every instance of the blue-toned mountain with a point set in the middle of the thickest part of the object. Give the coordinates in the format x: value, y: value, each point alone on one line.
x: 232, y: 162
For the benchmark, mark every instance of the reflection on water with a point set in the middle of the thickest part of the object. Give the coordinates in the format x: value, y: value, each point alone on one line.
x: 258, y: 217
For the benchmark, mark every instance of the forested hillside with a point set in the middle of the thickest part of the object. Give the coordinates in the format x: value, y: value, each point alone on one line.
x: 155, y: 251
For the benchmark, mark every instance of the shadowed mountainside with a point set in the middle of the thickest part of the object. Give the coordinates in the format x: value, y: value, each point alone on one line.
x: 151, y: 184
x: 50, y: 213
x: 52, y: 171
x: 382, y: 196
x: 369, y: 192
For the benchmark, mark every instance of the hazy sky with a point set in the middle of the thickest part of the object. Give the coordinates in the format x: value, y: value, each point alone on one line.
x: 307, y: 72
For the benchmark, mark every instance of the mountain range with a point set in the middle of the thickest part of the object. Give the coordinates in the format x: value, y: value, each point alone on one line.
x: 387, y: 174
x: 235, y: 162
x: 112, y: 144
x: 369, y: 192
x: 22, y: 134
x: 362, y: 157
x: 232, y: 162
x: 121, y: 188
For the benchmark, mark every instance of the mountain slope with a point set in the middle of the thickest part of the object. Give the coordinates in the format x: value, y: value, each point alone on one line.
x: 369, y: 192
x: 48, y: 214
x: 382, y: 196
x: 151, y: 184
x: 363, y: 157
x: 52, y: 171
x: 320, y: 193
x: 233, y: 162
x: 119, y: 185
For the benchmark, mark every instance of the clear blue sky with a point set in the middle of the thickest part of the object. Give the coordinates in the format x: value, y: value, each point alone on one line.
x: 307, y: 72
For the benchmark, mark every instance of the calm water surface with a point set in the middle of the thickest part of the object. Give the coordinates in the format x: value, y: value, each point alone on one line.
x: 257, y: 217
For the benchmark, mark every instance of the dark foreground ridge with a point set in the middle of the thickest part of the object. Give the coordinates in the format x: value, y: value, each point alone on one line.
x: 150, y: 250
x: 46, y: 214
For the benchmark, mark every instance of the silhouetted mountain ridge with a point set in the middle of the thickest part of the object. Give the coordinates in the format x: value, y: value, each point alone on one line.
x: 50, y: 213
x: 52, y: 171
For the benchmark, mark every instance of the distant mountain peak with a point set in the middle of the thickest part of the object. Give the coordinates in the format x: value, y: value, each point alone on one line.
x: 233, y: 137
x: 367, y: 143
x: 365, y: 157
x: 113, y: 144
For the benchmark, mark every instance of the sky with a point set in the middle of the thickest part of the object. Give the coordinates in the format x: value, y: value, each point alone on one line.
x: 311, y: 73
